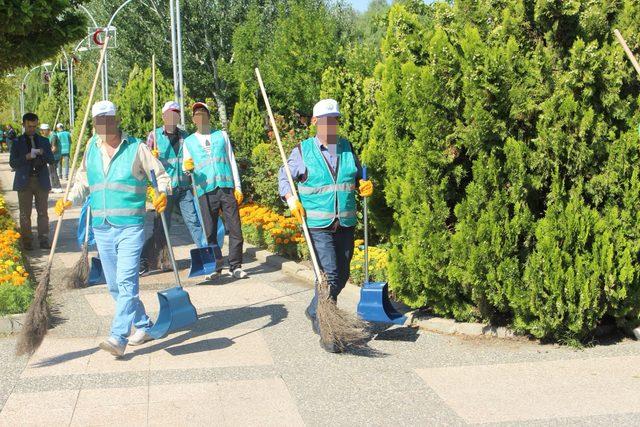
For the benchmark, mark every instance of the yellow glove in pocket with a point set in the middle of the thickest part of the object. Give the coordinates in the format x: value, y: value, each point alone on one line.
x: 188, y: 165
x: 155, y: 153
x: 159, y: 202
x: 239, y: 197
x: 366, y: 188
x: 61, y: 206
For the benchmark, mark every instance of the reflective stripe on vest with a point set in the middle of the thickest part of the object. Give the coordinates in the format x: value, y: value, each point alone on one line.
x: 172, y: 163
x: 118, y: 197
x: 211, y: 170
x: 324, y: 196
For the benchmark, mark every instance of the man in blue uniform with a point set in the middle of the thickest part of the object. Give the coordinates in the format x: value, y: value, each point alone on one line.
x: 327, y: 171
x: 115, y: 171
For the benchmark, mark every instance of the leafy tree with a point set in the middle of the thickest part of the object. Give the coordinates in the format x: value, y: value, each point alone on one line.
x: 505, y: 137
x: 35, y: 30
x: 247, y: 127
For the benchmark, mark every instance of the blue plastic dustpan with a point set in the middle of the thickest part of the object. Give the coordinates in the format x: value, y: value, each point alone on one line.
x: 176, y: 312
x: 375, y: 306
x: 96, y: 274
x: 203, y: 260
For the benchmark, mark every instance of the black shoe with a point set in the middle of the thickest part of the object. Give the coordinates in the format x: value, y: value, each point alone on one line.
x: 314, y: 322
x: 144, y: 267
x: 330, y: 347
x: 44, y: 244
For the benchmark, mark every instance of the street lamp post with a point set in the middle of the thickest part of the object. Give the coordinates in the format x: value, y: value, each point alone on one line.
x: 176, y: 50
x: 24, y: 82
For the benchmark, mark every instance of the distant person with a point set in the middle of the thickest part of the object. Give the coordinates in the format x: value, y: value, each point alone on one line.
x: 30, y: 155
x: 3, y: 141
x: 45, y: 131
x: 10, y: 136
x: 64, y: 139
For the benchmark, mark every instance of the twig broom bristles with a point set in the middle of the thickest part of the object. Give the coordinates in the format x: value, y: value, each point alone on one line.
x: 37, y: 319
x: 79, y: 274
x: 337, y: 327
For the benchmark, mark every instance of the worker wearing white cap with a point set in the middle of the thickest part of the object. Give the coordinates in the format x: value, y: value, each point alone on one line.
x: 166, y: 143
x: 209, y: 157
x: 115, y: 171
x: 45, y: 130
x: 328, y: 172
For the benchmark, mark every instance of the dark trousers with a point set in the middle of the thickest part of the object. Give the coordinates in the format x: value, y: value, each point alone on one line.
x: 334, y: 249
x: 210, y: 204
x: 53, y: 175
x: 25, y: 203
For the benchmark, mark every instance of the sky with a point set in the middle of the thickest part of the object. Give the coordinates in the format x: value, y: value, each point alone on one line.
x: 361, y: 5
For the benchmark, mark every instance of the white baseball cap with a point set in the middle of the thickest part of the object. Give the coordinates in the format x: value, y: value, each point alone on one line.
x: 171, y: 106
x: 44, y: 126
x: 103, y: 108
x: 326, y: 108
x: 59, y: 126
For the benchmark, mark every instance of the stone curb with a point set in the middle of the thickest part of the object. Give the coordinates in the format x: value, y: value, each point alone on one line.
x: 12, y: 323
x: 439, y: 325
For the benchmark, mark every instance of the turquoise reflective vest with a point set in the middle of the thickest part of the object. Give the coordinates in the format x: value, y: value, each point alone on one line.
x: 211, y: 170
x: 323, y: 196
x: 65, y: 142
x: 171, y: 161
x: 117, y: 197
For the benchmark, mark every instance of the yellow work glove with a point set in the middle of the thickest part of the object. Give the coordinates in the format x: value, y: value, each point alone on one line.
x: 61, y: 206
x: 159, y: 202
x: 366, y: 188
x: 188, y: 165
x: 238, y: 195
x: 155, y: 153
x: 297, y: 211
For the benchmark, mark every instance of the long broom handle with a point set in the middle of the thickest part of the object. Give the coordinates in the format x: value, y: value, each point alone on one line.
x: 86, y: 226
x: 154, y: 182
x: 630, y: 55
x: 77, y: 152
x: 366, y: 231
x: 56, y: 120
x: 305, y: 229
x: 153, y: 88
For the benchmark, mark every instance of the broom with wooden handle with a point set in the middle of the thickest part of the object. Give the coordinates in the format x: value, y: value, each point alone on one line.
x: 337, y: 327
x: 630, y: 55
x: 37, y: 319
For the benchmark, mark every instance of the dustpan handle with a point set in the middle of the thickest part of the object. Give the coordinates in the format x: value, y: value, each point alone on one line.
x: 154, y: 182
x: 366, y: 231
x: 196, y: 201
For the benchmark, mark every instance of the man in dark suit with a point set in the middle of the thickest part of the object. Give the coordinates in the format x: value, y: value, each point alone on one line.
x: 30, y: 157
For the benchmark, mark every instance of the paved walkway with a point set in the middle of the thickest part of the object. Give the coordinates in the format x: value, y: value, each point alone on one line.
x: 252, y: 360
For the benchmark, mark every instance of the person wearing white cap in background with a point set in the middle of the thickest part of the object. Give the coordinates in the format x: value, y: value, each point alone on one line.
x: 115, y: 171
x: 166, y: 144
x: 64, y: 143
x: 327, y: 171
x: 45, y: 131
x: 209, y: 157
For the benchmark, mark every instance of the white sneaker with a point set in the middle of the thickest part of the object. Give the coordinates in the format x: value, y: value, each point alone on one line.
x: 636, y: 333
x: 111, y: 345
x: 139, y: 337
x: 238, y: 273
x: 57, y: 190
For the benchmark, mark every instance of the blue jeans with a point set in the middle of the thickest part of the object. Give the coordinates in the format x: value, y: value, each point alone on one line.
x: 64, y: 158
x: 334, y: 249
x: 120, y: 249
x: 183, y: 197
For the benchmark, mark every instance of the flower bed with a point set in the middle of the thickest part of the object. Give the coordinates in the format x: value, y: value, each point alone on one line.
x: 280, y: 234
x: 16, y: 288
